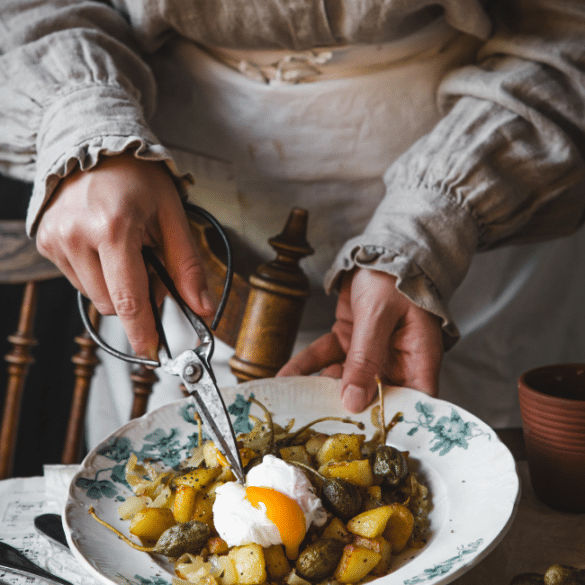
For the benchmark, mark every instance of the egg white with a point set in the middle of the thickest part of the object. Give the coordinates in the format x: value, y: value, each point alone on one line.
x: 238, y: 522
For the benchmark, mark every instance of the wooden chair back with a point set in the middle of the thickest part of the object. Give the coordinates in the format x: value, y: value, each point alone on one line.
x: 261, y: 321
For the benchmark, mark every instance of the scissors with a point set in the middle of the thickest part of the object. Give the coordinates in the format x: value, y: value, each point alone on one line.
x: 192, y: 366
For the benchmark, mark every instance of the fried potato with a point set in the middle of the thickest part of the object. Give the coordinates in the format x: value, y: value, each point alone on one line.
x: 399, y: 527
x: 381, y: 546
x: 371, y: 523
x: 198, y: 478
x: 356, y: 563
x: 277, y: 565
x: 184, y: 503
x: 203, y: 510
x: 150, y: 523
x: 337, y: 529
x: 217, y: 546
x: 340, y: 447
x: 296, y: 453
x: 249, y: 563
x: 358, y: 472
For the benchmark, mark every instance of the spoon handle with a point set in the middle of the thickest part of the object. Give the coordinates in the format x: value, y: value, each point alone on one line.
x: 13, y: 560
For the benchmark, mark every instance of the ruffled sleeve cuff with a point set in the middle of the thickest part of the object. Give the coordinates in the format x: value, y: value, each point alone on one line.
x: 426, y: 240
x: 80, y: 127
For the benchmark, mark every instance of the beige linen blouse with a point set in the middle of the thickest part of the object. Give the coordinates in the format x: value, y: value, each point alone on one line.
x: 504, y: 165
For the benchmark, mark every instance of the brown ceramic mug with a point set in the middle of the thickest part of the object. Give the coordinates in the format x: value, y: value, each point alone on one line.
x: 552, y: 405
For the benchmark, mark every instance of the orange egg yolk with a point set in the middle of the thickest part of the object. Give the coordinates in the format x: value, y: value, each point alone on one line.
x: 284, y: 512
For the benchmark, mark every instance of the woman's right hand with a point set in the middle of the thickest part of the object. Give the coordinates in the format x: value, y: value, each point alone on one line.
x: 94, y: 229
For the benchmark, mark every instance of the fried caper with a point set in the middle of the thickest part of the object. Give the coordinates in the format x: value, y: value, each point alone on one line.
x: 564, y: 575
x: 341, y: 498
x: 188, y: 537
x: 319, y: 560
x: 389, y: 466
x: 338, y: 495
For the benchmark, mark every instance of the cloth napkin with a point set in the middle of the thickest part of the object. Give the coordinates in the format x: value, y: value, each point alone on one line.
x: 21, y: 499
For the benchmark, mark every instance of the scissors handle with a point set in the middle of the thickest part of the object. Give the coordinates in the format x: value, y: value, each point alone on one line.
x: 202, y: 330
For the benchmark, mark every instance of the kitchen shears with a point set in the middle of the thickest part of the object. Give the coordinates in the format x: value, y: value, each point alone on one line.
x: 192, y: 366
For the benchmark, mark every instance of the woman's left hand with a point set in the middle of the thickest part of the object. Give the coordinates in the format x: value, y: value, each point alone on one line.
x: 378, y: 332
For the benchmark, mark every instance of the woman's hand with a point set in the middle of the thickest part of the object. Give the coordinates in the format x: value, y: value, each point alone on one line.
x: 94, y: 229
x: 378, y: 331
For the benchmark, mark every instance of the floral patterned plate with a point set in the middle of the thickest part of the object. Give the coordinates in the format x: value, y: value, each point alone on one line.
x: 470, y: 473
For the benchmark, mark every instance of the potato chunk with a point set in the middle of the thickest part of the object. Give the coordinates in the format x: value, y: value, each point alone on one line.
x: 198, y: 478
x: 336, y: 529
x: 399, y: 527
x: 150, y: 523
x: 184, y: 503
x: 217, y: 546
x: 277, y: 565
x: 249, y: 563
x: 340, y: 447
x: 204, y: 504
x: 381, y: 546
x: 356, y: 563
x: 358, y: 472
x: 371, y: 523
x: 296, y: 453
x: 315, y: 443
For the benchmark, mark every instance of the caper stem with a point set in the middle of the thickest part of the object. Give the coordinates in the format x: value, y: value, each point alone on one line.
x: 308, y: 468
x: 381, y: 411
x: 268, y: 421
x: 395, y: 420
x: 359, y: 425
x: 119, y: 534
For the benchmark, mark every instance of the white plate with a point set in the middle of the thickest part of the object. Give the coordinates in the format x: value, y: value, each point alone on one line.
x: 470, y: 473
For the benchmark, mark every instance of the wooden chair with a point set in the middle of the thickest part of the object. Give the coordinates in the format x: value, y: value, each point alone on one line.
x: 261, y: 321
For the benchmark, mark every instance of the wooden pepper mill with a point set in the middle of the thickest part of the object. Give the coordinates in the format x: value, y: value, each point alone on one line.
x: 278, y: 291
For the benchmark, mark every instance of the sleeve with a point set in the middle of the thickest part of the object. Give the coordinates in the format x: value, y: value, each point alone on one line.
x: 505, y: 165
x: 72, y: 87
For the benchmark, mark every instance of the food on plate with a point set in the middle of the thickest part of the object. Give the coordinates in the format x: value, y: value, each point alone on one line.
x: 316, y: 507
x: 277, y: 506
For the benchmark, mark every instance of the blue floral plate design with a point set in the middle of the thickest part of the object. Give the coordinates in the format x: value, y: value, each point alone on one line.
x: 470, y: 473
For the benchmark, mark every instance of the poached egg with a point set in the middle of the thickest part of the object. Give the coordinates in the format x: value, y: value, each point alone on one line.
x: 277, y: 506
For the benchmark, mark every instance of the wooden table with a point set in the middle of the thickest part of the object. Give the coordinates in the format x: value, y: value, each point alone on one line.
x: 513, y: 438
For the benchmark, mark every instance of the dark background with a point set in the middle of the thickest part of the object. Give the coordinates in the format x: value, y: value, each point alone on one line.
x: 50, y: 381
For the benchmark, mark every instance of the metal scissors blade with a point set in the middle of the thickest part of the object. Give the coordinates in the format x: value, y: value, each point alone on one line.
x: 194, y: 370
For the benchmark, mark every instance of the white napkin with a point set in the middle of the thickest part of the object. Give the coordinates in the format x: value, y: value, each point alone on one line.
x: 21, y: 499
x: 51, y: 557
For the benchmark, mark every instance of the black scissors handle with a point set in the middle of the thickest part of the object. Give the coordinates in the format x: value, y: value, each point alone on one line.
x: 202, y: 330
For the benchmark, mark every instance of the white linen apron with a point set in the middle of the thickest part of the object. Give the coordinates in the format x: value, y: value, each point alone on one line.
x: 257, y: 149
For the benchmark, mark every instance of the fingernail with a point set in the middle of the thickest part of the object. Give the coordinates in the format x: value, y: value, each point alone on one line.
x: 206, y: 302
x: 352, y: 398
x: 152, y: 354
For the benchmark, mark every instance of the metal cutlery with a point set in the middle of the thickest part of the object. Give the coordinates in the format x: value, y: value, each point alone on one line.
x: 13, y: 560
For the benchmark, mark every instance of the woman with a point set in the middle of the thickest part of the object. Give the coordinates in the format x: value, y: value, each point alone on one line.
x: 415, y: 134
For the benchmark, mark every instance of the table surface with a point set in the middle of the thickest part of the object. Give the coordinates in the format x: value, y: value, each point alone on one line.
x: 513, y: 438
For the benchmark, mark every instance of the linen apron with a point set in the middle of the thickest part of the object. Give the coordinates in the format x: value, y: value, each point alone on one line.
x: 263, y: 132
